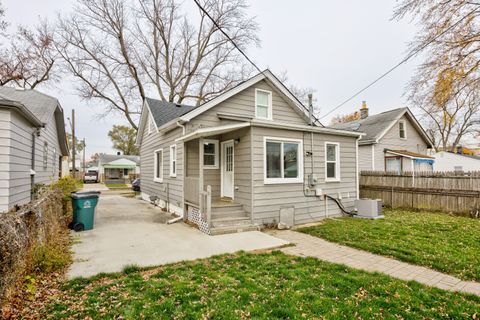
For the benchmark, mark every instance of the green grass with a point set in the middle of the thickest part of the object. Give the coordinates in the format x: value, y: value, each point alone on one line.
x: 116, y: 185
x: 258, y: 286
x: 442, y: 242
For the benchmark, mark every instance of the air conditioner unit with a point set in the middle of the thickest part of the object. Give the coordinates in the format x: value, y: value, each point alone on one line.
x: 369, y: 208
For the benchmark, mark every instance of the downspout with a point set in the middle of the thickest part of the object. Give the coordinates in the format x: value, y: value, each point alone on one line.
x: 181, y: 126
x: 35, y: 134
x: 357, y: 173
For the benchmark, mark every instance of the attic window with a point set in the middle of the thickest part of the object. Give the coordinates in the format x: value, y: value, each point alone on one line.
x: 401, y: 130
x: 263, y: 104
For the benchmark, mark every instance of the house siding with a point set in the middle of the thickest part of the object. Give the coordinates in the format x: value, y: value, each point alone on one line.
x: 269, y: 199
x: 172, y: 187
x: 243, y: 104
x: 391, y: 140
x: 16, y: 158
x: 365, y: 160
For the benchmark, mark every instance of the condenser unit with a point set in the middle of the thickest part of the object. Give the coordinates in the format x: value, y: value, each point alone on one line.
x: 369, y: 208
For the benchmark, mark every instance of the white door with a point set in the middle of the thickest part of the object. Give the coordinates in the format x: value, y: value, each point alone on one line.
x: 227, y: 169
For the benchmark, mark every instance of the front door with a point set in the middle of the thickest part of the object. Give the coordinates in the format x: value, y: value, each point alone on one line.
x: 227, y: 169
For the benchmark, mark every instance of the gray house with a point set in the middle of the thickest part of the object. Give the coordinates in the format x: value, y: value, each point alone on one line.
x: 32, y: 143
x: 244, y: 158
x: 394, y: 141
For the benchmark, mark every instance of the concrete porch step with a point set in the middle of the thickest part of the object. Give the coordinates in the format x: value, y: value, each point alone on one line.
x: 231, y: 221
x: 220, y: 208
x: 232, y: 229
x: 229, y: 214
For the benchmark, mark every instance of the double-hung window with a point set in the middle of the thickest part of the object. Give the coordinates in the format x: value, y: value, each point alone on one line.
x: 332, y: 161
x: 283, y: 161
x: 263, y: 104
x: 402, y: 132
x: 158, y: 165
x: 210, y: 154
x: 173, y: 161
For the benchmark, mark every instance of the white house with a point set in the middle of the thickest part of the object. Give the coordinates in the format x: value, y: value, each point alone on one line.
x: 113, y: 167
x: 450, y: 161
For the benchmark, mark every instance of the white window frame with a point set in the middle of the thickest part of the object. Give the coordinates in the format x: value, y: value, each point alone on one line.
x: 283, y: 180
x: 173, y: 159
x: 404, y: 129
x: 156, y: 176
x: 217, y: 151
x: 337, y: 162
x: 269, y: 106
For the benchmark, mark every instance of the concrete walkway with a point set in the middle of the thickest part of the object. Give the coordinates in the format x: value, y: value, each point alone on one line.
x: 306, y: 245
x: 129, y: 231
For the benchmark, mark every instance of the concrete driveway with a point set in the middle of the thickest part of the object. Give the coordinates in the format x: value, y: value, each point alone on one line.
x: 129, y: 231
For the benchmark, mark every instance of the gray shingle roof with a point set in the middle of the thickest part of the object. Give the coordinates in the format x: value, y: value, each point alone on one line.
x: 107, y: 158
x: 40, y: 104
x: 163, y: 111
x: 373, y: 125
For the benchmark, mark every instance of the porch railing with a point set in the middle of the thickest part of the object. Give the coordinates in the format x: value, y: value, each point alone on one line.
x: 206, y: 204
x: 192, y: 190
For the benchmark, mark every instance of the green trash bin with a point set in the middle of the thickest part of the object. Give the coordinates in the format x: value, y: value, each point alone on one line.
x: 84, y: 204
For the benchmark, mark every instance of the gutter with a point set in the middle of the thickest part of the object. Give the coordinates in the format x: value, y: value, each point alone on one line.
x: 9, y: 104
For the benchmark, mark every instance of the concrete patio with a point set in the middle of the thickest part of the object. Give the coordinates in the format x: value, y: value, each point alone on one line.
x: 129, y: 231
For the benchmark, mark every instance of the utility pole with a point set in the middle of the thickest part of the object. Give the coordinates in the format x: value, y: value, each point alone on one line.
x: 73, y: 144
x: 84, y: 165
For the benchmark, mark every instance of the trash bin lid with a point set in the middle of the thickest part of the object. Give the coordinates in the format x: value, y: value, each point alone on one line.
x: 85, y: 195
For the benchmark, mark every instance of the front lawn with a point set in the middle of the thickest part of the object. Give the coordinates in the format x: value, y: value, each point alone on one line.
x: 442, y: 242
x: 259, y: 286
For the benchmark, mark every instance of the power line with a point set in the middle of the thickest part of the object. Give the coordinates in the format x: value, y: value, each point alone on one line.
x: 240, y: 50
x: 227, y: 36
x: 404, y: 60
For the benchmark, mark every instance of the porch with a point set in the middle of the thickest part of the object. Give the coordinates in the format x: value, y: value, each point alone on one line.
x: 217, y: 174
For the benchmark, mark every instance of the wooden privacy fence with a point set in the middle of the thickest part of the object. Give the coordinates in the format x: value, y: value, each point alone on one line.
x: 445, y: 191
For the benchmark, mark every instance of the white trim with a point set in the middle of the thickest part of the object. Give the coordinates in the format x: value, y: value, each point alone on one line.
x: 144, y: 117
x: 305, y: 128
x: 173, y: 158
x: 205, y: 132
x: 357, y: 173
x: 222, y: 158
x: 283, y: 180
x: 155, y: 160
x: 406, y: 156
x: 404, y: 129
x: 337, y: 162
x: 267, y: 74
x: 269, y: 104
x: 217, y: 151
x: 373, y: 157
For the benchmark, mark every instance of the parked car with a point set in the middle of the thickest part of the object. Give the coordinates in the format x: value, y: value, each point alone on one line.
x: 90, y: 177
x: 136, y: 185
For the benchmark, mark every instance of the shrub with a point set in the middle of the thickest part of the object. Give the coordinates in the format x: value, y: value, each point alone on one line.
x: 66, y: 186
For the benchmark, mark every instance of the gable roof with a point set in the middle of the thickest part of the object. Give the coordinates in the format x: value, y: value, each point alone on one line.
x: 29, y: 116
x: 107, y: 158
x: 165, y: 113
x: 42, y: 106
x: 376, y: 126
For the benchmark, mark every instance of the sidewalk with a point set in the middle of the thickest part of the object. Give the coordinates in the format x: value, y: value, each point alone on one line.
x: 306, y: 245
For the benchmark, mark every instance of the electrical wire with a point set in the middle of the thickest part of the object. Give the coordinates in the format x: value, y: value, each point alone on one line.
x: 404, y: 60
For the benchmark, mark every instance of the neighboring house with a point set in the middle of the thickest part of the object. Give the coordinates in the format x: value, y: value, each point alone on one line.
x: 33, y: 146
x: 450, y: 161
x: 394, y: 141
x: 118, y: 168
x: 252, y: 147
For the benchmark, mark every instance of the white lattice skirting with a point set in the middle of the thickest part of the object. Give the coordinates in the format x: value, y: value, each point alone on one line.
x: 195, y: 217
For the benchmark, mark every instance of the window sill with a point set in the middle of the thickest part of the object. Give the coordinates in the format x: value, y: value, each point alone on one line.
x: 210, y: 167
x: 261, y: 118
x: 282, y: 181
x: 332, y: 180
x: 173, y: 175
x: 158, y: 180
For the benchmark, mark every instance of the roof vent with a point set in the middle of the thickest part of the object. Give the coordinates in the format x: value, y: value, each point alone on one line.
x: 178, y: 105
x: 355, y: 126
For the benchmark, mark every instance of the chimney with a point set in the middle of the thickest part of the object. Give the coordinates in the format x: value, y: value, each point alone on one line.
x: 364, y: 110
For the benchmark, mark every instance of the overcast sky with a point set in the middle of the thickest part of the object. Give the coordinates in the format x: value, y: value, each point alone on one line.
x: 334, y: 47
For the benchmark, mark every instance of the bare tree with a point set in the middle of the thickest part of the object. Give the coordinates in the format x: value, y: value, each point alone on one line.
x: 446, y: 85
x: 342, y: 118
x: 28, y: 58
x: 123, y: 49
